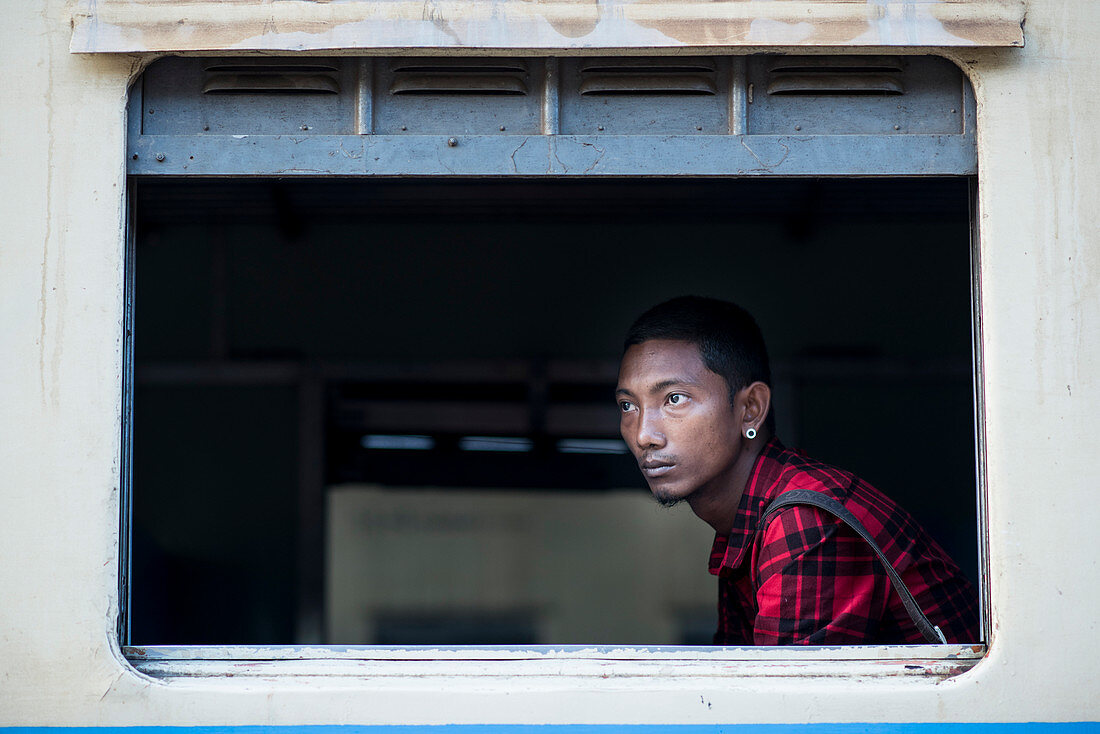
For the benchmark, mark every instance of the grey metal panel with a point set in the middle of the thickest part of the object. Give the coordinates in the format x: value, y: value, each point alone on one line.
x: 576, y: 116
x: 465, y: 96
x: 646, y: 110
x: 931, y: 102
x: 554, y: 155
x: 175, y: 102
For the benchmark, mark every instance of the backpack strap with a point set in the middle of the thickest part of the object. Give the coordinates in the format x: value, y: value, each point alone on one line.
x: 931, y: 632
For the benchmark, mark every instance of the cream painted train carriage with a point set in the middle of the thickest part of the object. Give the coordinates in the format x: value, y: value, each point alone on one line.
x: 312, y: 311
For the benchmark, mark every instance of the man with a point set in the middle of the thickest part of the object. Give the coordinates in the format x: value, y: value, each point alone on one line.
x: 695, y: 397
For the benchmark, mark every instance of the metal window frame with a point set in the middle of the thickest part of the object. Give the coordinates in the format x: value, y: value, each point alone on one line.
x: 554, y: 150
x: 551, y: 154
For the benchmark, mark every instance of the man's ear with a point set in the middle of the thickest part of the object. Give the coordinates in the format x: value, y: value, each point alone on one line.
x: 755, y: 399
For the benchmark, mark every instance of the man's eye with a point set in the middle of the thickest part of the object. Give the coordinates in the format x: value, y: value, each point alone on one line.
x: 626, y: 406
x: 676, y: 398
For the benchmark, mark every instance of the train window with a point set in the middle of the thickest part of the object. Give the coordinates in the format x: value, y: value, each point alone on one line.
x: 377, y: 308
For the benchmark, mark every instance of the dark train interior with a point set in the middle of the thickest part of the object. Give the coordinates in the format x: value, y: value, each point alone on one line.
x: 292, y: 337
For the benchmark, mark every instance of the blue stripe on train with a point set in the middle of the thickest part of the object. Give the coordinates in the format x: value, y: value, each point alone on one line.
x: 1091, y: 727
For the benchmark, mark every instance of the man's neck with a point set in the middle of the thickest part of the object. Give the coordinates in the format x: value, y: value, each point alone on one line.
x: 716, y: 503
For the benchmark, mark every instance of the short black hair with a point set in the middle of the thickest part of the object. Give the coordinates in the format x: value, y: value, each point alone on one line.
x: 727, y: 336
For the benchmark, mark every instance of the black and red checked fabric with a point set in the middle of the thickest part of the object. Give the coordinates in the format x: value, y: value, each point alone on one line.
x: 807, y: 578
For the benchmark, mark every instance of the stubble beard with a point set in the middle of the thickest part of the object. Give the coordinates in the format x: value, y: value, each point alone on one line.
x: 664, y: 499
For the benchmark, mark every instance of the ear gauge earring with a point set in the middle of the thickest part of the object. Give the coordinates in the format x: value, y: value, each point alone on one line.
x: 750, y: 434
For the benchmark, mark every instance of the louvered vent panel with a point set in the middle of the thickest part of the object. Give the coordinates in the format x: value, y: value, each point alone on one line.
x: 250, y: 96
x: 271, y: 78
x: 836, y: 76
x: 853, y: 95
x: 648, y: 77
x: 645, y: 96
x: 482, y: 77
x: 456, y: 96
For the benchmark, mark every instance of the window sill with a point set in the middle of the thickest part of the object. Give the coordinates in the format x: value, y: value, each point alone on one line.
x: 935, y: 662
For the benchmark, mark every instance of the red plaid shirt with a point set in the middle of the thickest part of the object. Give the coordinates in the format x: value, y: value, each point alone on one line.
x: 807, y: 578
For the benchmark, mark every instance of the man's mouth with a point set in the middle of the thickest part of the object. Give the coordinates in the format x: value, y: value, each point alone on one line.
x: 653, y: 468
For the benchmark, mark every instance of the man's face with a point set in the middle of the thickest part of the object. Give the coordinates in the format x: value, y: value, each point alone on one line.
x: 675, y: 416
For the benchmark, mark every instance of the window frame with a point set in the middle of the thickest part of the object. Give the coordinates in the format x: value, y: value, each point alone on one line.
x: 169, y: 662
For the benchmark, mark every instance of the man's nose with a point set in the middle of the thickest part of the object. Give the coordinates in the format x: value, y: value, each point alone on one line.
x: 650, y: 431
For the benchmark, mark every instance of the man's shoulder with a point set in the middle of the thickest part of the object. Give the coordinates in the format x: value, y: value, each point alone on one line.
x: 799, y: 525
x: 796, y: 470
x: 871, y: 506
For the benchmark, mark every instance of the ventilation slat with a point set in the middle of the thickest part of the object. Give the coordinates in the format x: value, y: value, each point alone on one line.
x: 836, y: 76
x: 647, y: 65
x: 827, y: 64
x: 648, y: 77
x: 459, y: 66
x: 451, y: 83
x: 482, y: 77
x: 271, y: 84
x: 267, y: 77
x: 272, y: 68
x: 828, y: 84
x: 688, y: 84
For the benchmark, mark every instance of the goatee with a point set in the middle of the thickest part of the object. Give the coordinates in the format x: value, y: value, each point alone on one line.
x: 665, y: 500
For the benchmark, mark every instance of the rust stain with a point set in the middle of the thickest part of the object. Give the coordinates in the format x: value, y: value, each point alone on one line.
x: 580, y: 21
x: 690, y: 32
x: 695, y: 23
x: 980, y: 28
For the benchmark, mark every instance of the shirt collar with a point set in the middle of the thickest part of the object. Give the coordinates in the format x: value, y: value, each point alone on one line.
x: 764, y: 484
